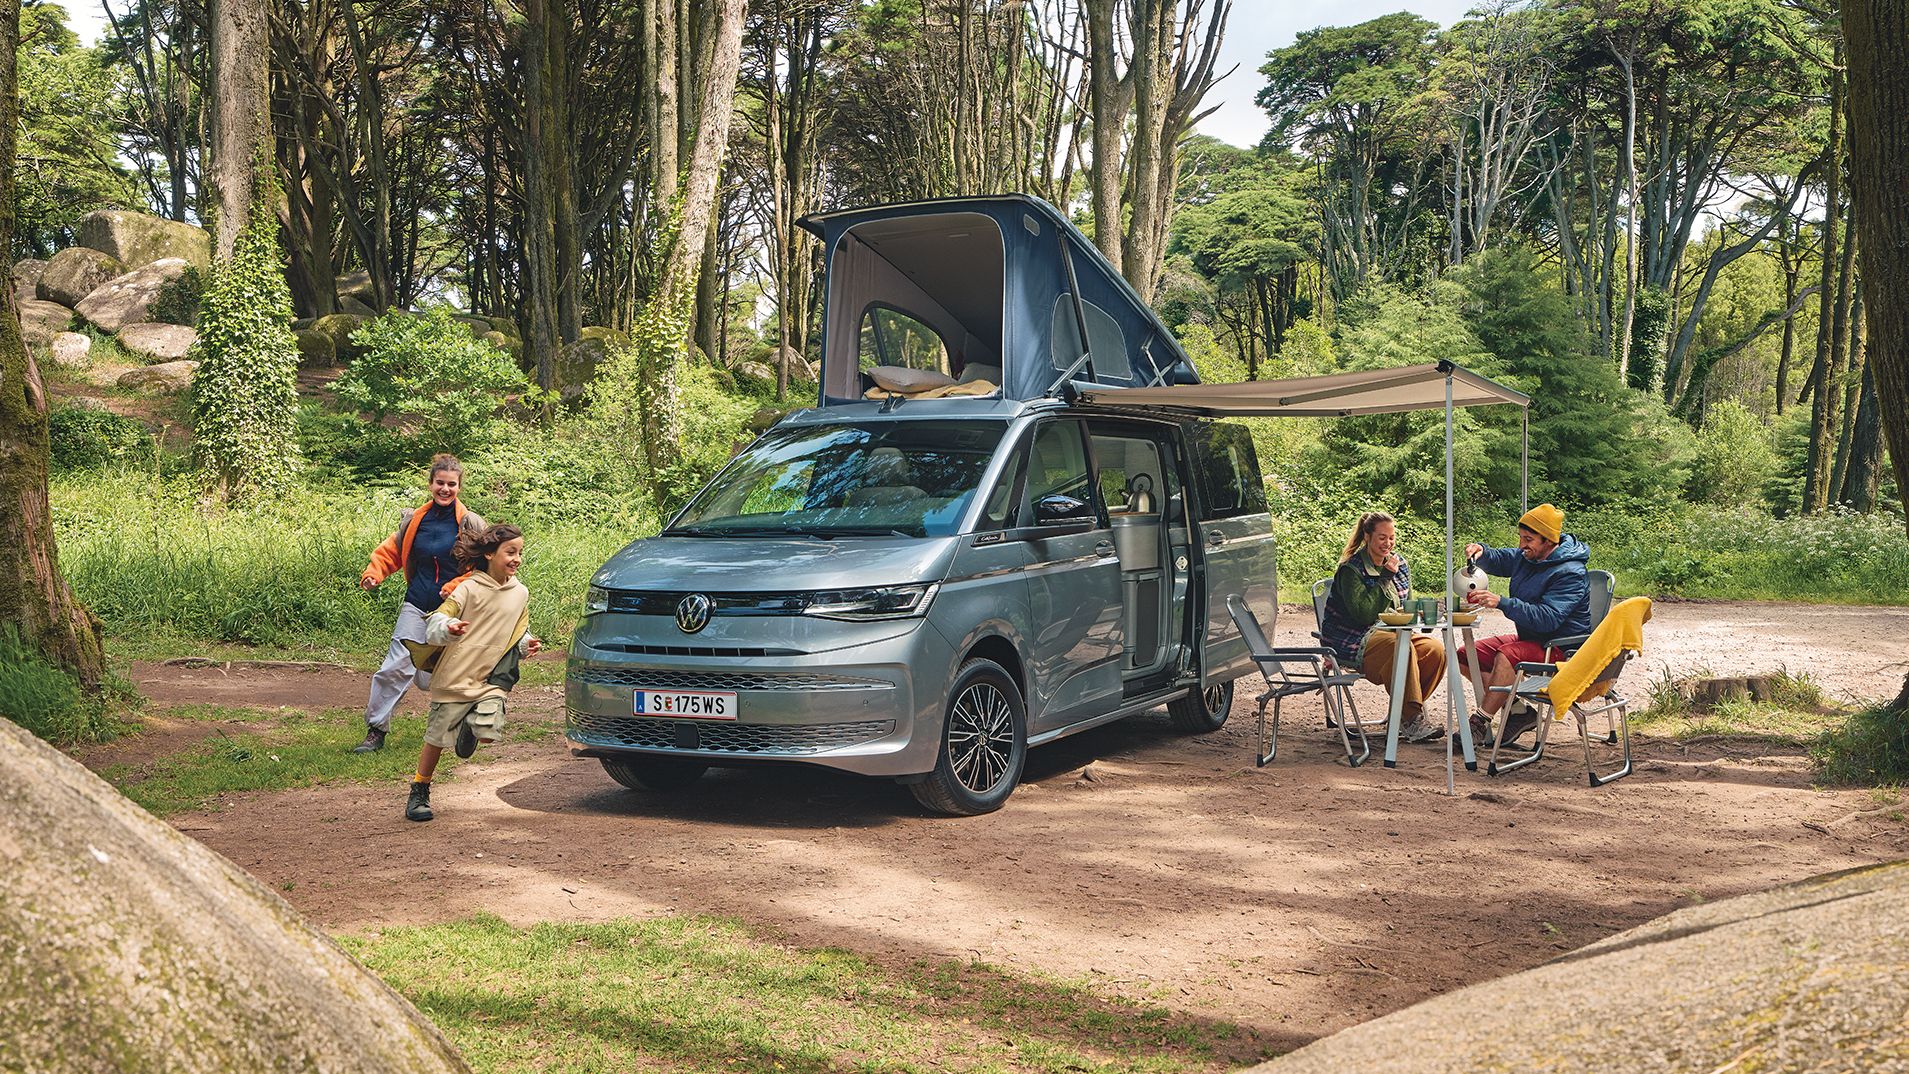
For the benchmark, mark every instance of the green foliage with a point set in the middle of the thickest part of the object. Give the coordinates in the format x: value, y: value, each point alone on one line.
x: 1735, y: 455
x: 180, y: 300
x: 434, y: 372
x: 48, y: 702
x: 1871, y: 748
x: 244, y: 393
x: 1649, y: 321
x: 82, y: 438
x: 71, y: 110
x: 1593, y: 440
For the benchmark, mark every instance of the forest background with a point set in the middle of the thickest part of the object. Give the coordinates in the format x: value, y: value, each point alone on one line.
x: 1635, y: 210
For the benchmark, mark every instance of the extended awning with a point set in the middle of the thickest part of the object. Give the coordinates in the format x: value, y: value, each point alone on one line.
x: 1336, y: 395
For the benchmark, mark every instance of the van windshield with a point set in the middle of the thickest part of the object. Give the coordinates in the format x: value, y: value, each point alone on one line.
x: 849, y: 479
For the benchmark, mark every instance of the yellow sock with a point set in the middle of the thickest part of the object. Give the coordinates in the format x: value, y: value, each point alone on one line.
x: 420, y: 777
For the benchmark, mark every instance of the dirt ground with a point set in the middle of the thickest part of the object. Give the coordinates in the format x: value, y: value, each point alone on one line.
x: 1298, y: 898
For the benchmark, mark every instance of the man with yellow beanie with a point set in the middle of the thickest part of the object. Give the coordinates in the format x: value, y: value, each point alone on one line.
x: 1550, y: 597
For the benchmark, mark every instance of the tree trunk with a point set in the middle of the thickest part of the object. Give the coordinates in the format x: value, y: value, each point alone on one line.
x: 540, y: 226
x: 241, y: 42
x: 1877, y: 32
x: 1860, y: 480
x: 1108, y: 102
x: 34, y: 598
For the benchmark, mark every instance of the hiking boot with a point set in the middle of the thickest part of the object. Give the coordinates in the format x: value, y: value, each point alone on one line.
x: 466, y: 743
x: 374, y: 741
x: 418, y: 806
x: 1481, y: 734
x: 1419, y: 731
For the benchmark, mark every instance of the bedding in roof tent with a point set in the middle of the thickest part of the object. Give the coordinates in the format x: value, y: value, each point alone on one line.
x: 977, y: 290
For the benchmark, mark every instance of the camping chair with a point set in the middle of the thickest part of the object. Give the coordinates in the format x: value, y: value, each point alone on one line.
x: 1599, y: 697
x: 1293, y: 670
x: 1603, y: 585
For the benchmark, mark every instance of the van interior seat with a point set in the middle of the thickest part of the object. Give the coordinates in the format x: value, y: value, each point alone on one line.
x: 888, y: 479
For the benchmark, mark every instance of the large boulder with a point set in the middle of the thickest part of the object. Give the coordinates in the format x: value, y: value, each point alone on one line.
x: 166, y: 377
x: 125, y: 945
x: 41, y: 320
x: 757, y: 370
x: 71, y: 350
x: 510, y: 345
x: 355, y: 285
x: 339, y: 327
x: 315, y: 349
x: 348, y: 304
x: 75, y: 272
x: 799, y: 367
x: 140, y: 239
x: 26, y: 278
x: 1809, y: 977
x: 577, y: 362
x: 128, y: 299
x: 155, y: 342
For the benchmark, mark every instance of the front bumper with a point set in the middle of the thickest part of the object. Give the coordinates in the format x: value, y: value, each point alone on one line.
x: 873, y: 708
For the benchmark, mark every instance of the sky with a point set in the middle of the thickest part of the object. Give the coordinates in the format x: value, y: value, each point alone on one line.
x: 1257, y: 27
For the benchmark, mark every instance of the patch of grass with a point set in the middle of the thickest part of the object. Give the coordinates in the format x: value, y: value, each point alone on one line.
x: 703, y: 994
x: 42, y: 698
x: 1870, y: 748
x: 297, y: 749
x: 1796, y: 714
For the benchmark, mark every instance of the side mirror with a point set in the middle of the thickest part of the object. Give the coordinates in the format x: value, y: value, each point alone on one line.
x: 1059, y: 510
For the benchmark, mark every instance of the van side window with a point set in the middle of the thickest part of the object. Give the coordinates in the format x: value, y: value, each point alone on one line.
x: 1128, y: 465
x: 997, y: 512
x: 1227, y: 469
x: 891, y: 337
x: 1056, y: 465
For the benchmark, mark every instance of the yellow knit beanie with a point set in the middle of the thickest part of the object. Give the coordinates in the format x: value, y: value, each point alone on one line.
x: 1546, y: 521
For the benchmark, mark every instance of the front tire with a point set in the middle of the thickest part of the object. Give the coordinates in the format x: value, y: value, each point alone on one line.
x: 643, y: 772
x: 983, y: 744
x: 1202, y: 712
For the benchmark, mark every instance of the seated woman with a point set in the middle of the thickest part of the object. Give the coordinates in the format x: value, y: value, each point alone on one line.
x: 1372, y: 578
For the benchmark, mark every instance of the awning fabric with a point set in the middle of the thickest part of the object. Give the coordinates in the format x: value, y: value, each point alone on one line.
x: 1367, y: 391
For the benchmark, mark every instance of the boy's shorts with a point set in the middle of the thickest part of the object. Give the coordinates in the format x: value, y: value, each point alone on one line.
x: 486, y: 718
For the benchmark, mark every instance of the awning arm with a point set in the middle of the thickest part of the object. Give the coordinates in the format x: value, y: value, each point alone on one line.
x: 1508, y: 395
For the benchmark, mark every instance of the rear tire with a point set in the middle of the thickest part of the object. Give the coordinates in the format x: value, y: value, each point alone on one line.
x: 983, y: 744
x: 643, y: 772
x: 1202, y: 711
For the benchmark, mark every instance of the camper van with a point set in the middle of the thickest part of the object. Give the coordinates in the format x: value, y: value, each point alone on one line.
x: 950, y: 558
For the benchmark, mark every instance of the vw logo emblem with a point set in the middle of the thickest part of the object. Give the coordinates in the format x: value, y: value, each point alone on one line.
x: 692, y: 613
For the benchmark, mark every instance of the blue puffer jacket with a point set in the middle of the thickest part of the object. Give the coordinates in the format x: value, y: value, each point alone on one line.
x: 1550, y: 598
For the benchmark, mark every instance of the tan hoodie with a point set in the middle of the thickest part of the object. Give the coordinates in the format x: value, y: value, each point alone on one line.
x: 483, y: 662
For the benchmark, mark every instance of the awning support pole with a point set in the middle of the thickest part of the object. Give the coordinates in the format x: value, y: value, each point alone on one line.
x: 1451, y: 702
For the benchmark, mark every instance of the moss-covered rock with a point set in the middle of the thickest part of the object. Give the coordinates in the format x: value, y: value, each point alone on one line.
x: 140, y: 239
x: 127, y: 946
x: 75, y: 272
x: 340, y: 326
x: 41, y: 320
x: 577, y: 362
x: 315, y: 349
x: 128, y: 299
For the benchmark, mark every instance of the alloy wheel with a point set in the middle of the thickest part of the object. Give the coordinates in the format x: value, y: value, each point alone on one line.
x: 980, y: 738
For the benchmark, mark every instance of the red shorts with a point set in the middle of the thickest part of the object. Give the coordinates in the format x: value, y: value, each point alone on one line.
x: 1515, y: 649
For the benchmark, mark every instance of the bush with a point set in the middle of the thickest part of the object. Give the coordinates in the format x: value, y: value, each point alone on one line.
x: 1871, y: 748
x: 1734, y: 456
x: 245, y: 392
x: 45, y: 700
x: 434, y: 372
x: 82, y: 438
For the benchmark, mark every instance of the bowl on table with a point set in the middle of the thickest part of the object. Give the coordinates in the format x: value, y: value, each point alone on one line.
x: 1464, y: 618
x: 1396, y: 618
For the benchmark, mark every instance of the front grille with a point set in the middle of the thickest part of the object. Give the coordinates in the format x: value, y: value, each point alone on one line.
x: 761, y: 740
x: 654, y: 679
x: 638, y: 602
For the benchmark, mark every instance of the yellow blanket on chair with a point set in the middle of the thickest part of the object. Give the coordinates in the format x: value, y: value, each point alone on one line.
x: 1622, y: 628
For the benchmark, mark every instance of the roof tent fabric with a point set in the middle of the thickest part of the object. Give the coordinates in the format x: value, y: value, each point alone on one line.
x: 1039, y: 336
x: 1366, y: 391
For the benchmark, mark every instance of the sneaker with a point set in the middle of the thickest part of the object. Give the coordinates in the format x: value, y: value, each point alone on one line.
x: 1521, y: 719
x: 418, y: 806
x: 1481, y: 734
x: 466, y: 743
x: 1419, y: 731
x: 374, y: 741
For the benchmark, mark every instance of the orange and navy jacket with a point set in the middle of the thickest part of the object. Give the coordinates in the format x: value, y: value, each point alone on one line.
x: 394, y: 554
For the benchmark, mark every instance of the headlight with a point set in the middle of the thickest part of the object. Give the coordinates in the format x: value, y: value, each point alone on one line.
x: 885, y: 602
x: 596, y: 599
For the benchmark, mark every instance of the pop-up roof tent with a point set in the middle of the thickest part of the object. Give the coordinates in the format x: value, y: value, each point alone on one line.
x: 981, y: 287
x: 1430, y: 386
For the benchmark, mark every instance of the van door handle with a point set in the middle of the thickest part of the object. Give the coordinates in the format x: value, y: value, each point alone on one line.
x: 1215, y: 538
x: 1103, y: 549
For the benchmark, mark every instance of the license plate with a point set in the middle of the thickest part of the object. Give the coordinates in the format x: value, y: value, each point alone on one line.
x: 694, y: 704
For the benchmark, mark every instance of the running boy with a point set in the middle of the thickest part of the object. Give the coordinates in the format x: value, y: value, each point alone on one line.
x: 472, y: 645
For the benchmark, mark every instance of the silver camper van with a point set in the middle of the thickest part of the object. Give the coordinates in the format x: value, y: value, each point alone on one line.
x: 950, y: 558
